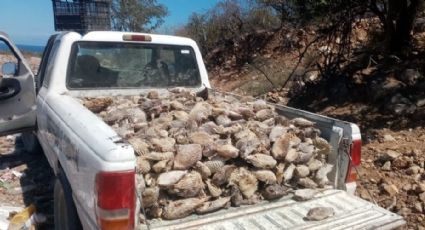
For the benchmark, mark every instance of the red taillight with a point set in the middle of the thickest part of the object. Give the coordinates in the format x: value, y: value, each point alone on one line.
x: 356, y: 152
x: 115, y: 200
x: 137, y: 38
x: 356, y: 156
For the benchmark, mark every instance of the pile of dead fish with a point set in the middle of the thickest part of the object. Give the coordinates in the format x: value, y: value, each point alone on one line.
x: 199, y: 156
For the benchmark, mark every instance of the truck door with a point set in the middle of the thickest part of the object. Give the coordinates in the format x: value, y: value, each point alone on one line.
x: 17, y: 90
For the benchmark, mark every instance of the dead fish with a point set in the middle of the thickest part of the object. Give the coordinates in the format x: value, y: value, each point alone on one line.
x: 143, y: 165
x: 322, y: 145
x: 311, y: 132
x: 280, y: 172
x: 277, y: 132
x: 247, y: 146
x: 189, y: 185
x: 304, y: 194
x: 208, y: 150
x: 320, y: 213
x: 305, y: 154
x: 255, y: 199
x: 212, y: 206
x: 301, y: 122
x: 260, y: 105
x: 218, y: 111
x: 169, y: 178
x: 161, y: 166
x: 150, y: 197
x: 236, y: 196
x: 163, y: 144
x: 158, y: 156
x: 291, y: 156
x: 273, y: 192
x: 321, y: 177
x: 209, y: 127
x: 215, y: 165
x: 187, y: 156
x: 245, y: 112
x: 289, y: 173
x: 182, y: 208
x: 314, y: 165
x: 97, y: 105
x: 149, y: 180
x: 307, y: 183
x: 261, y: 161
x: 266, y: 176
x: 203, y: 170
x: 283, y: 144
x: 245, y: 180
x: 235, y: 115
x: 153, y: 94
x: 302, y: 171
x: 140, y: 147
x: 176, y: 105
x: 201, y: 138
x: 223, y: 120
x: 181, y: 115
x: 222, y: 176
x: 140, y: 182
x: 200, y: 112
x: 227, y: 151
x: 264, y: 114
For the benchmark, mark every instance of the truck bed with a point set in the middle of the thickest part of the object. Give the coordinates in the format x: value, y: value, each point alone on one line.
x: 351, y: 212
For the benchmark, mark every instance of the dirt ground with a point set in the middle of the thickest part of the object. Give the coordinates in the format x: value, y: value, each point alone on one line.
x: 25, y: 179
x: 393, y: 155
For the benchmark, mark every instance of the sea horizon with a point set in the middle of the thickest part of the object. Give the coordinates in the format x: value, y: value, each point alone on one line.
x: 35, y: 49
x: 38, y: 49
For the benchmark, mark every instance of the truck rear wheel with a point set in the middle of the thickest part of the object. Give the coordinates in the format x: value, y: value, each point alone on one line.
x: 31, y: 144
x: 66, y: 216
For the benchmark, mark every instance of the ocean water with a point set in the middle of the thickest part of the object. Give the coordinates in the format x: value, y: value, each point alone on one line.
x: 31, y: 49
x: 24, y: 48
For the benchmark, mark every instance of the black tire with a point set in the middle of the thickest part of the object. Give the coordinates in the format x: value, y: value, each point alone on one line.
x: 66, y: 216
x: 30, y: 143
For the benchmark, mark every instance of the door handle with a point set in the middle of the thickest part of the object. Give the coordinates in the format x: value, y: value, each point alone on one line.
x: 7, y: 92
x: 9, y: 88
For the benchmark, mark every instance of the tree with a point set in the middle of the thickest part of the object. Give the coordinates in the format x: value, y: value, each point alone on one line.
x: 397, y: 18
x: 137, y: 15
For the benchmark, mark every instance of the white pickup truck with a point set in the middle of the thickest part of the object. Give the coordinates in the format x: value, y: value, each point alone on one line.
x: 95, y: 184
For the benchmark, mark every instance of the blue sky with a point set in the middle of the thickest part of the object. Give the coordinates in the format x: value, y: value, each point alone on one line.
x: 30, y: 22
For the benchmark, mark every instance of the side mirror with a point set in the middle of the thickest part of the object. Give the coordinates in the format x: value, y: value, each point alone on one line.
x: 9, y: 68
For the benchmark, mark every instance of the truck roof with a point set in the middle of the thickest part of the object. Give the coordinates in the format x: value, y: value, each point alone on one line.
x: 115, y: 36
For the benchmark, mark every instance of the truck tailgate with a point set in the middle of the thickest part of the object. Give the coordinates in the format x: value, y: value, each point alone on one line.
x: 351, y: 212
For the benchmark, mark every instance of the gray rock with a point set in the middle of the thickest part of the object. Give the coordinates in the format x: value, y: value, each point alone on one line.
x: 413, y: 170
x: 320, y: 213
x: 304, y: 194
x: 386, y: 166
x: 422, y: 197
x: 388, y: 138
x: 390, y: 155
x: 390, y: 189
x: 418, y: 207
